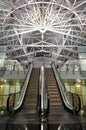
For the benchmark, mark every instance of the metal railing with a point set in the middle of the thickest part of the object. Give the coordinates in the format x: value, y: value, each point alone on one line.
x: 43, y: 97
x: 9, y: 69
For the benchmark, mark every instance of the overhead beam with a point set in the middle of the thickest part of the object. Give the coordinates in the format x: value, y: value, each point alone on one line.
x: 46, y: 46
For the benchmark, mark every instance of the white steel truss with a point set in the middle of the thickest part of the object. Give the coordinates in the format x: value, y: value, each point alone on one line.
x: 56, y: 26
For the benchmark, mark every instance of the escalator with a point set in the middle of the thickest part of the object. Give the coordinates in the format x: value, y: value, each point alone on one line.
x: 27, y: 113
x: 56, y: 105
x: 36, y: 91
x: 30, y: 102
x: 59, y: 111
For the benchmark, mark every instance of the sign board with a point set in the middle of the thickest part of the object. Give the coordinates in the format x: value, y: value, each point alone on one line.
x: 42, y: 54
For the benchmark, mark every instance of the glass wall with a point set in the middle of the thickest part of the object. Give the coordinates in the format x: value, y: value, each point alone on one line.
x: 8, y: 87
x: 77, y: 86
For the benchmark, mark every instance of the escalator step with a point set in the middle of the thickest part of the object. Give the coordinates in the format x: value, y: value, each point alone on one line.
x: 56, y: 105
x: 30, y: 101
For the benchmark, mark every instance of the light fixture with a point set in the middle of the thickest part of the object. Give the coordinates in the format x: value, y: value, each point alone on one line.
x: 78, y: 80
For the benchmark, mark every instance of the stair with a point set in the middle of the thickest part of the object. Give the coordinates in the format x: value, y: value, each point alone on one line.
x: 30, y: 101
x: 56, y: 105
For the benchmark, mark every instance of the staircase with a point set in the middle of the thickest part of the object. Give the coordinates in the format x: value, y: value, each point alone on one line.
x: 56, y: 105
x: 30, y: 102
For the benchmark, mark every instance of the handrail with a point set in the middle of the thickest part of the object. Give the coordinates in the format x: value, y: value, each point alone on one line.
x: 43, y: 93
x: 47, y: 100
x: 42, y: 89
x: 23, y: 91
x: 76, y: 102
x: 63, y: 90
x: 11, y: 102
x: 39, y: 98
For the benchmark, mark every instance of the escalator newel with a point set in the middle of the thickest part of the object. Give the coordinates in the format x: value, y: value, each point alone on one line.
x: 11, y: 103
x: 76, y: 103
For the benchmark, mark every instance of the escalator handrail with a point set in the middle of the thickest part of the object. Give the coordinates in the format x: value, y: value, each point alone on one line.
x: 42, y: 88
x: 39, y: 98
x: 43, y: 92
x: 10, y: 103
x: 47, y: 98
x: 77, y: 105
x: 23, y: 91
x: 63, y: 92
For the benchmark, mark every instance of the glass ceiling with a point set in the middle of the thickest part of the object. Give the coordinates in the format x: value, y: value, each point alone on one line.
x: 54, y: 26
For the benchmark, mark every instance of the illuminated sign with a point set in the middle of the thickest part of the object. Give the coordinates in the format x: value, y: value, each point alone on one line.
x: 42, y: 54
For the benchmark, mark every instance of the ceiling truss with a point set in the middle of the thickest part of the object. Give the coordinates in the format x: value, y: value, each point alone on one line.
x: 56, y: 26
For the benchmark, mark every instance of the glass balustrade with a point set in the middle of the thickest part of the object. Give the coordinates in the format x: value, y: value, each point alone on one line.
x: 7, y: 87
x: 11, y: 81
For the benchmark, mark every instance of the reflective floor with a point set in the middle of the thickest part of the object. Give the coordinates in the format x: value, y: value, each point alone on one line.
x: 43, y: 126
x: 60, y: 121
x: 32, y: 122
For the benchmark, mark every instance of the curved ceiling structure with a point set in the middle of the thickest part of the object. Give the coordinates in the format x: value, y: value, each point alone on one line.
x: 54, y: 26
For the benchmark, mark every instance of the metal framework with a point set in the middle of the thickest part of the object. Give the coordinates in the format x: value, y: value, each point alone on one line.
x: 56, y: 26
